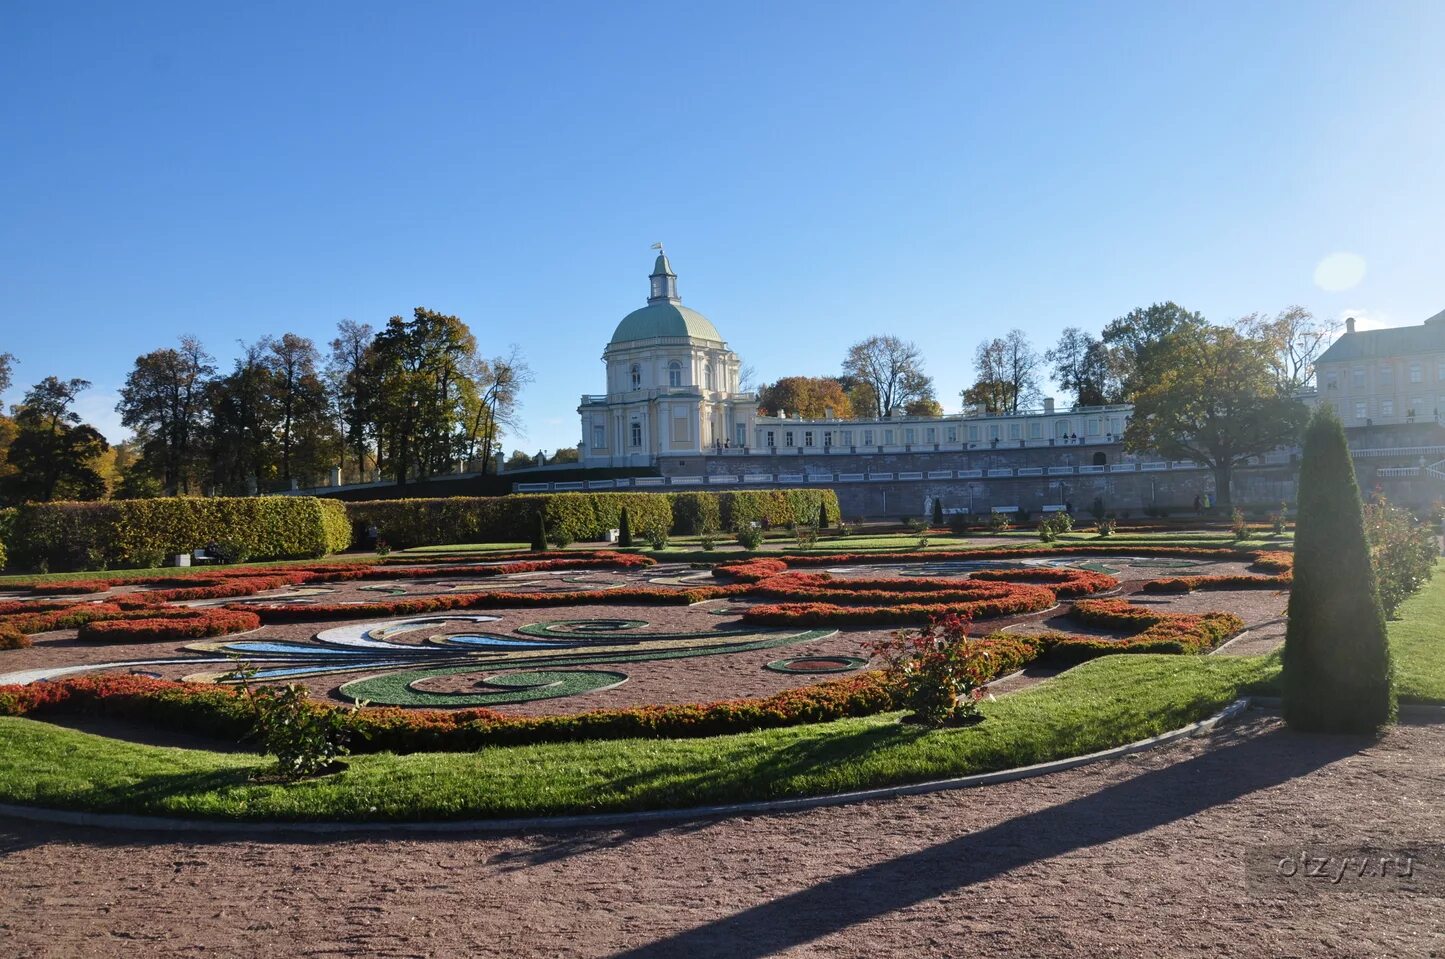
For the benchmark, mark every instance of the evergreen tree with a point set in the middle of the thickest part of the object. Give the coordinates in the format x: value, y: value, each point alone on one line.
x: 1337, y: 676
x: 938, y: 512
x: 539, y: 532
x: 624, y: 529
x: 822, y: 514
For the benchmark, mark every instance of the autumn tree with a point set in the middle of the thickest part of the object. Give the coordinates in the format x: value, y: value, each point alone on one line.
x: 892, y: 370
x: 1139, y: 344
x: 7, y: 425
x: 810, y: 397
x: 926, y: 406
x: 54, y: 454
x: 1295, y: 338
x: 163, y: 402
x: 1083, y: 367
x: 1213, y: 399
x: 1006, y: 374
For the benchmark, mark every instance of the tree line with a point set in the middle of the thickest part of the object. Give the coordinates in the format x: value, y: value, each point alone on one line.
x: 1218, y: 395
x: 407, y: 401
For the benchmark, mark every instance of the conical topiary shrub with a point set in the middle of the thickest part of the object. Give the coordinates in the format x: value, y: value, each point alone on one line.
x: 539, y: 532
x: 937, y: 512
x: 822, y: 514
x: 624, y: 529
x: 1336, y: 657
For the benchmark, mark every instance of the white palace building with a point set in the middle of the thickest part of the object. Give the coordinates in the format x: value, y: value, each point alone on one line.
x: 672, y: 390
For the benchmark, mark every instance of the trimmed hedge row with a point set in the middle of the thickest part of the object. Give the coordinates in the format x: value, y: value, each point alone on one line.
x: 199, y: 624
x: 223, y: 712
x: 138, y: 533
x: 583, y: 517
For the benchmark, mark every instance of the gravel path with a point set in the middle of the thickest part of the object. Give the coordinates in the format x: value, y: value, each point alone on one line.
x: 1141, y: 856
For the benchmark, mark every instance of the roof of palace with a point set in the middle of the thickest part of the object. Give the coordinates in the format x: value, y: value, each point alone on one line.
x: 1429, y: 337
x: 664, y: 319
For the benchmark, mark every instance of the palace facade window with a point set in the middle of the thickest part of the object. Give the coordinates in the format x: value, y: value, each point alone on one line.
x: 807, y: 437
x: 599, y: 437
x: 636, y: 374
x: 953, y: 434
x: 788, y: 438
x: 1417, y: 373
x: 769, y: 439
x: 674, y: 374
x: 636, y: 433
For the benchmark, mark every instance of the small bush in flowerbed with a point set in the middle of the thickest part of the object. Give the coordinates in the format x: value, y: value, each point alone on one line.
x: 1054, y: 526
x: 940, y: 670
x: 657, y: 537
x: 1104, y: 528
x: 1238, y: 525
x: 750, y: 538
x: 999, y: 523
x: 806, y: 535
x: 306, y: 740
x: 707, y: 537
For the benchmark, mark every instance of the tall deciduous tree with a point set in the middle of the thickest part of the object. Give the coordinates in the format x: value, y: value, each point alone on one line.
x: 1296, y: 339
x: 420, y: 368
x: 1082, y: 367
x: 163, y: 402
x: 54, y: 454
x: 892, y: 370
x: 1213, y: 400
x: 241, y: 435
x: 348, y: 371
x: 1007, y: 374
x: 1336, y: 654
x: 499, y: 384
x: 1138, y: 342
x: 307, y: 441
x: 7, y: 364
x: 810, y: 397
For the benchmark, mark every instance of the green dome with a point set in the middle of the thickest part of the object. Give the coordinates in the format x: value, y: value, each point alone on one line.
x: 664, y: 319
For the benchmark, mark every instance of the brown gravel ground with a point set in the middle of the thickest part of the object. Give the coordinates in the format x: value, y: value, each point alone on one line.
x: 1141, y: 856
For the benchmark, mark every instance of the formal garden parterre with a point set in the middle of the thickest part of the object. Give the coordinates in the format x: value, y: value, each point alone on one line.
x: 459, y: 648
x: 568, y: 644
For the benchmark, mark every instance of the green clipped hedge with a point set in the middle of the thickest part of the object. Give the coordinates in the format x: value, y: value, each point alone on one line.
x: 581, y: 516
x: 140, y: 533
x: 776, y: 507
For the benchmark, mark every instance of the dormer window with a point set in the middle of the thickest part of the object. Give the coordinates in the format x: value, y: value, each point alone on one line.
x: 636, y: 377
x: 674, y: 374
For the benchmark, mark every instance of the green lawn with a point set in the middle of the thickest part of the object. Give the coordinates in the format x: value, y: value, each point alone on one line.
x: 1103, y: 703
x: 1417, y: 642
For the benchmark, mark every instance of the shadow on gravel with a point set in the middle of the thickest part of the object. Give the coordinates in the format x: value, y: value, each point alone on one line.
x: 1244, y: 762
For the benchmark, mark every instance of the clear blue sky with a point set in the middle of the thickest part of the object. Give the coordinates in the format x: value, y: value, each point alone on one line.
x: 819, y: 172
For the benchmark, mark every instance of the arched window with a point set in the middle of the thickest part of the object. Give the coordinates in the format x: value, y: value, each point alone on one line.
x: 1100, y: 459
x: 636, y: 377
x: 707, y: 376
x: 674, y: 373
x: 1061, y: 428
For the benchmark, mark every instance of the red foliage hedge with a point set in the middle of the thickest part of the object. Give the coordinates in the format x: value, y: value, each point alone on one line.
x: 196, y: 624
x: 1186, y: 584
